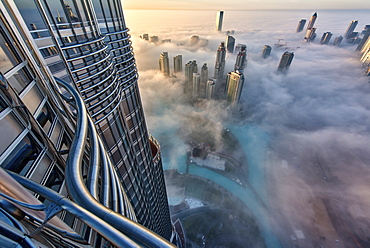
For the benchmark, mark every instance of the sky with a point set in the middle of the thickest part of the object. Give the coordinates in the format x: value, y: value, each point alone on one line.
x: 246, y: 5
x: 316, y: 116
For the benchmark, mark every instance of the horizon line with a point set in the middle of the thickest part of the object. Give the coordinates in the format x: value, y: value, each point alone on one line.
x: 242, y: 9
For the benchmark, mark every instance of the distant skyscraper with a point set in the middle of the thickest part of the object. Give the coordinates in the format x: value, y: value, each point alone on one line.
x: 203, y: 80
x: 337, y: 41
x: 234, y: 87
x: 146, y: 37
x: 325, y: 38
x: 230, y: 43
x: 241, y: 59
x: 177, y: 64
x: 190, y: 68
x: 364, y: 38
x: 351, y: 27
x: 154, y: 39
x: 300, y: 26
x: 211, y: 88
x: 285, y: 61
x: 164, y: 64
x: 312, y: 21
x: 220, y: 63
x: 196, y: 86
x: 266, y: 51
x: 310, y: 35
x: 365, y: 58
x: 194, y: 40
x: 238, y: 47
x: 219, y: 20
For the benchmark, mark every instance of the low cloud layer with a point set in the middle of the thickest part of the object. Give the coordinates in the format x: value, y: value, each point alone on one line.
x: 317, y: 115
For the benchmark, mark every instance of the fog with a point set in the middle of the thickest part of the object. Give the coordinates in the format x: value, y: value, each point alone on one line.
x: 316, y: 159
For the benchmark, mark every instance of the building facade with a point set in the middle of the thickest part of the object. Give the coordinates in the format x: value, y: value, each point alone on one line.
x: 190, y: 68
x: 86, y: 44
x: 326, y: 38
x: 219, y: 20
x: 300, y: 26
x: 164, y: 64
x: 266, y: 51
x: 234, y: 87
x: 177, y: 64
x: 285, y: 61
x: 230, y: 43
x: 220, y: 62
x: 241, y: 59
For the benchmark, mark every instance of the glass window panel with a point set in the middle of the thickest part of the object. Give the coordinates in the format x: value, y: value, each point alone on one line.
x: 56, y: 132
x: 8, y: 59
x: 46, y: 117
x: 41, y: 169
x: 22, y: 156
x: 20, y: 80
x: 10, y: 129
x: 32, y: 99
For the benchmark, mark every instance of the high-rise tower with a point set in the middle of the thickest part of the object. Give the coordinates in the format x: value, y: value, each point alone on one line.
x: 337, y: 41
x: 285, y: 61
x: 234, y: 87
x: 351, y: 27
x: 220, y: 62
x: 87, y: 45
x: 300, y: 26
x: 230, y: 43
x: 266, y: 51
x: 203, y: 80
x: 241, y: 59
x: 312, y: 21
x: 164, y: 64
x: 177, y: 64
x: 190, y: 68
x: 211, y: 88
x: 325, y: 38
x: 310, y: 35
x: 219, y: 20
x: 196, y: 86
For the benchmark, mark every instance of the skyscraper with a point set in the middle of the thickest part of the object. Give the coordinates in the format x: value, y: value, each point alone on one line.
x: 325, y: 38
x: 220, y: 63
x: 190, y: 68
x: 234, y: 87
x: 164, y: 64
x: 211, y: 88
x: 364, y: 39
x: 177, y: 63
x: 285, y: 61
x: 85, y: 48
x: 312, y: 21
x: 230, y: 43
x: 219, y: 20
x: 337, y: 41
x: 241, y: 59
x: 310, y: 35
x: 203, y: 80
x: 351, y: 27
x: 266, y: 51
x: 196, y: 86
x: 300, y: 26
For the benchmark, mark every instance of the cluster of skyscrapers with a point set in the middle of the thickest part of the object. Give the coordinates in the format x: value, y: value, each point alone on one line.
x: 350, y: 36
x: 72, y: 121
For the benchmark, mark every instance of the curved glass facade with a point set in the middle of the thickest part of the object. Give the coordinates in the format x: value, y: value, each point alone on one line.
x: 86, y: 43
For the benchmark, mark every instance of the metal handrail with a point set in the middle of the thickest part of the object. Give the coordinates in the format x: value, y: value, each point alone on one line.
x: 78, y: 190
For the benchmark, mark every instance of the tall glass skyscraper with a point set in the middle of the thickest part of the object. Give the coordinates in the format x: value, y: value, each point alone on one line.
x: 85, y: 45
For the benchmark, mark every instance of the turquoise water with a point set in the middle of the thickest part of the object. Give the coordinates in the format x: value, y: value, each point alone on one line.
x: 254, y: 141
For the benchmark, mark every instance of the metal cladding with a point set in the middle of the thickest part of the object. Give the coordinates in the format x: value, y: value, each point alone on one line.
x: 87, y: 45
